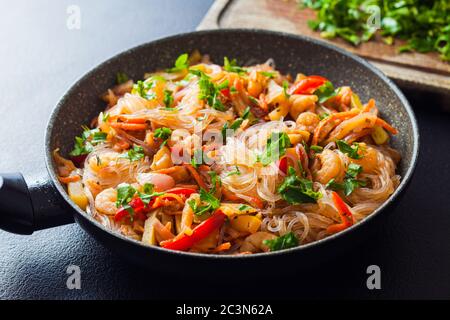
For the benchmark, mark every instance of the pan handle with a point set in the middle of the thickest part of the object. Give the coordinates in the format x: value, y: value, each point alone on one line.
x: 28, y: 208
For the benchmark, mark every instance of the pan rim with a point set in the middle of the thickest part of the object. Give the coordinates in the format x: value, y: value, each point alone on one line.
x: 319, y: 243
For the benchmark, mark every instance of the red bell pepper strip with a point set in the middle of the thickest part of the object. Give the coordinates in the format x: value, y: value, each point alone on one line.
x: 283, y: 164
x: 184, y: 242
x: 139, y: 209
x: 226, y: 92
x: 182, y: 191
x: 344, y: 212
x: 307, y: 85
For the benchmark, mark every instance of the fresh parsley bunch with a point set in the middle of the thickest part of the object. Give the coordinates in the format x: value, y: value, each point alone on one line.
x: 425, y: 24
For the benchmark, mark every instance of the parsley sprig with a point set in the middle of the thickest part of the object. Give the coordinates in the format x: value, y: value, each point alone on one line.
x: 211, y: 203
x: 350, y: 150
x: 297, y: 190
x: 424, y: 24
x: 182, y: 63
x: 276, y: 147
x: 289, y: 240
x: 126, y: 193
x: 86, y: 142
x: 232, y: 66
x: 350, y: 182
x: 210, y: 92
x: 134, y: 154
x: 163, y: 133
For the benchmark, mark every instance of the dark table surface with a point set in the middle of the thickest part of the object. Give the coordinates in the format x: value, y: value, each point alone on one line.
x: 41, y: 58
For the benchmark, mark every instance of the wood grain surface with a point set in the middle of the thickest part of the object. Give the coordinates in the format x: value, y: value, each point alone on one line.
x: 425, y: 72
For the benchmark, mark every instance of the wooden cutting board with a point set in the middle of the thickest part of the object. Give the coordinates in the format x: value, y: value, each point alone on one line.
x: 424, y: 72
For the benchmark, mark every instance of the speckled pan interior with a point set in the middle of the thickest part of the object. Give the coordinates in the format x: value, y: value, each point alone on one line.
x: 290, y: 53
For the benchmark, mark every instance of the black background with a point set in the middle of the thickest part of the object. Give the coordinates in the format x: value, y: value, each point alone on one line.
x: 41, y: 58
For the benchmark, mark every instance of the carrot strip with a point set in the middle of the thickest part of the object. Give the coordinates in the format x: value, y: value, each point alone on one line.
x: 204, y: 167
x: 257, y: 202
x: 334, y: 116
x: 69, y: 179
x: 129, y: 126
x: 133, y: 120
x: 196, y: 176
x: 222, y: 247
x: 229, y: 195
x: 368, y: 106
x: 386, y: 126
x: 173, y: 196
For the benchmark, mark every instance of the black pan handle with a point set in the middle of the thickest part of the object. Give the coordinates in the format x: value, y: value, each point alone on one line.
x: 28, y: 208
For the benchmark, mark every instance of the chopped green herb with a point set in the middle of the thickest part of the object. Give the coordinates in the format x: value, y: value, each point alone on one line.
x: 121, y: 78
x: 236, y: 172
x: 353, y: 170
x: 125, y: 194
x: 233, y: 90
x: 209, y: 92
x: 89, y: 138
x: 325, y: 92
x: 297, y: 190
x: 141, y: 88
x: 315, y: 148
x: 212, y: 203
x: 268, y: 74
x: 275, y: 148
x: 350, y: 182
x: 168, y: 98
x: 323, y: 116
x: 182, y: 63
x: 333, y: 185
x: 234, y: 126
x: 134, y: 154
x: 215, y: 180
x: 104, y: 116
x: 244, y: 207
x: 231, y: 66
x: 289, y: 240
x: 223, y: 85
x: 162, y: 133
x: 99, y: 161
x: 148, y: 188
x: 246, y: 113
x: 197, y: 159
x: 351, y: 151
x: 285, y: 89
x: 423, y: 24
x: 149, y: 193
x: 253, y: 100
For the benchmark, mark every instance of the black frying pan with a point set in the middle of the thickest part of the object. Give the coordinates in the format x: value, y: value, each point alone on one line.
x: 25, y: 209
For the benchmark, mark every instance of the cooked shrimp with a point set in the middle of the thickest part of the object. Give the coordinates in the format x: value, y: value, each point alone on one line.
x: 331, y: 167
x: 178, y: 173
x: 105, y: 202
x: 162, y: 159
x: 301, y: 103
x: 254, y: 242
x: 160, y: 181
x: 103, y: 160
x: 245, y: 185
x: 369, y: 160
x: 307, y: 121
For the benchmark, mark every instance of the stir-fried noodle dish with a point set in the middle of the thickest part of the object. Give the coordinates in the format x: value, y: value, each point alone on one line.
x: 229, y: 159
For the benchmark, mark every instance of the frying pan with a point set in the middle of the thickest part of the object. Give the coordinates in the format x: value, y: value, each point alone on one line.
x: 25, y: 209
